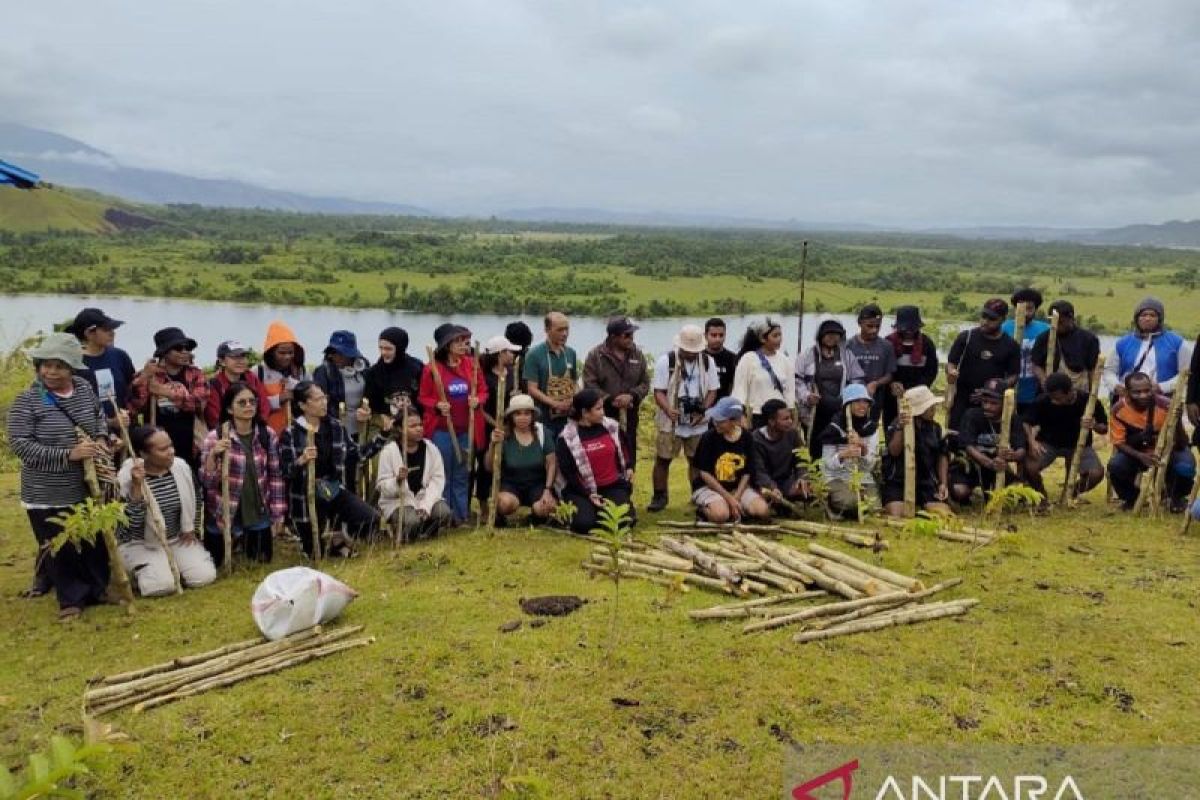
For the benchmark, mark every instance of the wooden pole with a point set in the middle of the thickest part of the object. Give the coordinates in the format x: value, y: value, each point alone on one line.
x: 89, y: 466
x: 313, y: 526
x: 1019, y: 327
x: 497, y: 459
x: 226, y: 511
x: 803, y: 281
x: 441, y: 392
x: 398, y: 534
x: 923, y: 613
x: 1052, y: 343
x: 473, y: 397
x: 1155, y: 478
x: 910, y: 459
x: 154, y: 517
x: 1006, y: 415
x: 852, y: 440
x: 364, y: 468
x: 1069, y: 494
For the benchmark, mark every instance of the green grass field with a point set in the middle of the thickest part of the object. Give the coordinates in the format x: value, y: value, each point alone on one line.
x: 1085, y: 634
x: 46, y: 209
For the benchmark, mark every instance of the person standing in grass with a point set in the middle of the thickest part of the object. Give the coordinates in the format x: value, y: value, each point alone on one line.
x: 916, y: 360
x: 777, y: 472
x: 1136, y: 421
x: 499, y: 357
x: 686, y: 384
x: 931, y: 457
x: 154, y: 469
x: 764, y: 371
x: 455, y: 366
x: 822, y: 372
x: 281, y: 368
x: 617, y: 369
x: 1052, y: 426
x: 107, y: 368
x: 726, y: 360
x: 1150, y: 348
x: 721, y: 490
x: 876, y: 356
x: 844, y: 452
x: 1027, y: 382
x: 233, y: 366
x: 42, y: 424
x: 551, y: 373
x: 978, y: 355
x: 178, y: 392
x: 1076, y: 350
x: 980, y: 437
x: 342, y: 376
x: 257, y: 488
x: 592, y: 462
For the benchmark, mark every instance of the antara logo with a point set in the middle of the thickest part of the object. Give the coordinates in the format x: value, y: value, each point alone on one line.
x: 945, y: 787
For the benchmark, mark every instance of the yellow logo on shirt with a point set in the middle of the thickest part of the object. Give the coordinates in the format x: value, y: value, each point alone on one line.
x: 728, y: 466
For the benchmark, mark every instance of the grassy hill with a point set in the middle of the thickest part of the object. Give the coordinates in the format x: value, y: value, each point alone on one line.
x: 43, y: 209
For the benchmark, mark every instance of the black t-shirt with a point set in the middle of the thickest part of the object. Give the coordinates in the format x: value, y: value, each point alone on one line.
x: 725, y: 460
x: 179, y: 425
x: 983, y: 434
x: 416, y: 468
x: 930, y: 446
x: 1079, y: 349
x: 1058, y: 426
x: 984, y: 358
x: 726, y: 363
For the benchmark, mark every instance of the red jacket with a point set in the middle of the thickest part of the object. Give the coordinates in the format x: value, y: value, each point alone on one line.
x: 457, y: 383
x: 216, y: 390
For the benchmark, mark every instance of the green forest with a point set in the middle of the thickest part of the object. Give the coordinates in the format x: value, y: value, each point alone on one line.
x: 475, y: 266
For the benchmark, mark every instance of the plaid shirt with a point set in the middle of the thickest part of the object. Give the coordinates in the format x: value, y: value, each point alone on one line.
x: 189, y: 396
x: 292, y: 442
x: 267, y: 470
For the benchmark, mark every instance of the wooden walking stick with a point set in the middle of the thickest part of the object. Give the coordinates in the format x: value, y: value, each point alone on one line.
x: 1019, y: 327
x: 501, y: 390
x: 311, y: 488
x: 853, y: 439
x: 1006, y: 415
x: 154, y: 517
x: 364, y: 468
x: 1052, y: 343
x: 1069, y: 490
x: 910, y: 459
x: 472, y: 397
x: 399, y: 532
x: 226, y: 511
x: 1154, y: 480
x: 441, y: 393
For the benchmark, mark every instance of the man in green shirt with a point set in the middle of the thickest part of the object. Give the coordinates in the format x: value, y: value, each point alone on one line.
x: 551, y: 374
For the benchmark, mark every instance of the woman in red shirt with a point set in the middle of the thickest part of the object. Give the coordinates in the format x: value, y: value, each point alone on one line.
x: 455, y: 366
x: 592, y: 460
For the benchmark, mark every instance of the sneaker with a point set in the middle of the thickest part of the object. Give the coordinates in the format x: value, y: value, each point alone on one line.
x: 658, y: 502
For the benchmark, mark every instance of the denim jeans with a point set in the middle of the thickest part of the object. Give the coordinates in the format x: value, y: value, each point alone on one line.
x: 457, y: 492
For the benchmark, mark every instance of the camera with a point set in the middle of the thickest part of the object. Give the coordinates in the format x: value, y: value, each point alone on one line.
x: 691, y: 407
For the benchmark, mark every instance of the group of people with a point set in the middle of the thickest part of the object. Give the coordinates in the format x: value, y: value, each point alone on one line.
x: 350, y: 448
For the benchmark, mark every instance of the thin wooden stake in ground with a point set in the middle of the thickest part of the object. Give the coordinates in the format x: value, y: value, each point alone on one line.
x: 1154, y: 479
x: 1006, y: 415
x: 497, y: 458
x: 910, y: 459
x: 440, y: 388
x: 1051, y: 343
x: 226, y: 511
x: 311, y: 488
x: 1069, y: 493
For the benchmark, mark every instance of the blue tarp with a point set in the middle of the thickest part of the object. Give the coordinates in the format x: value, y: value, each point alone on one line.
x: 14, y: 175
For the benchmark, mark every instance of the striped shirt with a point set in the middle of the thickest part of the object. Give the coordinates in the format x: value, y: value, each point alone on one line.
x: 41, y: 433
x: 167, y: 494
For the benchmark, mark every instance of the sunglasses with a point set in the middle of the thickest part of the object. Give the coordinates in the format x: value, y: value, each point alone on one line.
x: 246, y: 401
x: 182, y: 348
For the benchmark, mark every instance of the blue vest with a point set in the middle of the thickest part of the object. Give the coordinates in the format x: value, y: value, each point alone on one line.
x: 1166, y: 347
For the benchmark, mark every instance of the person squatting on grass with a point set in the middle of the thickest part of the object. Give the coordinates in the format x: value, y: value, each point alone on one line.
x: 845, y: 452
x: 778, y: 474
x: 1135, y: 423
x: 686, y: 384
x: 724, y: 464
x: 1052, y: 426
x: 980, y: 438
x: 317, y: 437
x: 411, y: 484
x: 457, y: 370
x: 498, y: 359
x: 528, y: 463
x: 931, y: 457
x: 764, y: 372
x: 154, y: 468
x: 281, y: 368
x: 822, y: 372
x: 42, y: 425
x: 593, y: 465
x: 257, y: 489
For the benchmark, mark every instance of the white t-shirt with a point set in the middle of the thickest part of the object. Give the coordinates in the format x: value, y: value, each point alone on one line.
x: 694, y: 382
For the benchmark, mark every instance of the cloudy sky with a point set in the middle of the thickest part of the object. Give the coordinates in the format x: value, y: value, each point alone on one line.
x: 903, y: 113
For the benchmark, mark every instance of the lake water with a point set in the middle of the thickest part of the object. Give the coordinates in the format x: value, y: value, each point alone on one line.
x: 211, y: 323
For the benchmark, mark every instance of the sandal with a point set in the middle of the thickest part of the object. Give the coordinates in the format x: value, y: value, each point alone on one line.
x: 33, y: 592
x: 69, y: 613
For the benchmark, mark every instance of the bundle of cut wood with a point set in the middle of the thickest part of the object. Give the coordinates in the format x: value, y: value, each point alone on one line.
x: 190, y: 675
x: 964, y: 534
x: 858, y: 537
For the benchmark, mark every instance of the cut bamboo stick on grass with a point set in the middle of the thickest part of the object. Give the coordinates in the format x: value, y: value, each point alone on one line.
x: 652, y: 558
x: 886, y: 575
x: 773, y: 600
x: 920, y: 614
x: 777, y: 581
x: 659, y: 579
x: 689, y: 577
x: 835, y: 609
x: 176, y: 663
x: 251, y: 671
x: 716, y: 526
x: 966, y: 538
x: 704, y: 561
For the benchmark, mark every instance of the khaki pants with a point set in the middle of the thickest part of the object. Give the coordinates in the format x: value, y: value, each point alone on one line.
x: 149, y: 569
x: 411, y: 526
x: 842, y: 499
